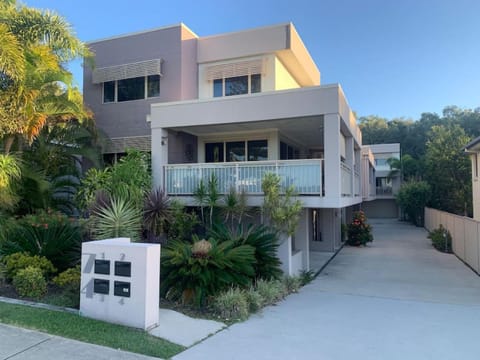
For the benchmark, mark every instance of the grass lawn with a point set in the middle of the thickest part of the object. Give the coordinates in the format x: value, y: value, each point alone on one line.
x: 88, y: 330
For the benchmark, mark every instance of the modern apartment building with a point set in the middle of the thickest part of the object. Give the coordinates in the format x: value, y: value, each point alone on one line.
x: 237, y: 105
x: 381, y: 201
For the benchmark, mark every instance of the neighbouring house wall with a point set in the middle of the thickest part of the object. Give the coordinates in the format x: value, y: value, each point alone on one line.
x: 465, y: 234
x: 475, y: 159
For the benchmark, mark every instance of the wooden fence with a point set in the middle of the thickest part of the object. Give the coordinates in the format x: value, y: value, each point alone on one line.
x: 465, y: 234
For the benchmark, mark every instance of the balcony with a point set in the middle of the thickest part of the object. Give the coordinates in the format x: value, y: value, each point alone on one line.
x: 304, y: 175
x: 307, y: 177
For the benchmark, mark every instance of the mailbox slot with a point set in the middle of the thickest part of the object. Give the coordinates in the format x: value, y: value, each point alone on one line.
x: 102, y: 267
x: 101, y: 286
x: 123, y: 268
x: 121, y: 288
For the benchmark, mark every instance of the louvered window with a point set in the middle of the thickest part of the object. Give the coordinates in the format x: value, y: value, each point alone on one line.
x: 127, y: 71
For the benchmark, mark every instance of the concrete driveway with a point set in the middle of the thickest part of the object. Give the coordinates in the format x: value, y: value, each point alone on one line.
x: 396, y: 299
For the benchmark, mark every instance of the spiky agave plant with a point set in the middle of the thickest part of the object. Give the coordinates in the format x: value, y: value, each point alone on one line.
x: 117, y: 218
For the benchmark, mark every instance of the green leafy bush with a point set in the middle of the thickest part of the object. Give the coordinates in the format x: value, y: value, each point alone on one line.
x: 271, y: 291
x: 307, y: 277
x: 195, y: 272
x: 359, y: 232
x: 46, y: 233
x: 292, y: 284
x: 254, y: 299
x: 441, y: 239
x: 182, y: 222
x: 29, y: 282
x: 69, y: 281
x: 262, y: 239
x: 412, y: 197
x: 231, y: 304
x: 15, y: 262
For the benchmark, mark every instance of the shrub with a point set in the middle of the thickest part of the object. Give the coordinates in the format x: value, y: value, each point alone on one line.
x: 265, y: 242
x: 271, y: 291
x: 29, y: 282
x: 231, y: 304
x: 182, y: 222
x: 194, y: 272
x: 359, y: 232
x: 292, y: 284
x: 254, y: 299
x: 69, y: 281
x: 306, y: 277
x: 441, y: 239
x: 46, y: 233
x: 412, y: 197
x: 19, y: 261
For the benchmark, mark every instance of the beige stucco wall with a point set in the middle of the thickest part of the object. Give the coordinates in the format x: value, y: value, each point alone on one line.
x: 283, y: 79
x: 476, y: 185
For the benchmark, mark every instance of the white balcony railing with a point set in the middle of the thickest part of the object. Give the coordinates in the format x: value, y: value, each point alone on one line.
x: 304, y: 175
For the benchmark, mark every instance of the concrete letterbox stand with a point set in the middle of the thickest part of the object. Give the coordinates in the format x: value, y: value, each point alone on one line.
x: 120, y: 282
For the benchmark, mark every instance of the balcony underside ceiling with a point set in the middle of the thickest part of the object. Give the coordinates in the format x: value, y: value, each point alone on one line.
x: 305, y: 130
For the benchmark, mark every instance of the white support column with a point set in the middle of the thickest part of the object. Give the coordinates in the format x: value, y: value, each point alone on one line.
x: 159, y: 156
x: 331, y: 136
x: 302, y: 238
x: 285, y: 254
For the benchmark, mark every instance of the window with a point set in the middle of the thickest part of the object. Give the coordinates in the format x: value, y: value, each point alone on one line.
x: 109, y: 91
x: 235, y: 151
x: 131, y: 89
x: 237, y: 85
x: 257, y: 150
x: 153, y: 86
x: 214, y: 152
x: 288, y: 152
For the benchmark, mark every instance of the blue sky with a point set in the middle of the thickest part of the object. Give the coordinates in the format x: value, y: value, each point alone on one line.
x: 393, y: 58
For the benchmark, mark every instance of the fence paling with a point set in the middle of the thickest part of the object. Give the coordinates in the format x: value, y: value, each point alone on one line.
x: 465, y: 234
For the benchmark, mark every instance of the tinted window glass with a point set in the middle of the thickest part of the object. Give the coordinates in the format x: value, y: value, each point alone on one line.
x: 218, y: 87
x: 153, y: 86
x: 236, y: 151
x: 255, y: 83
x: 257, y: 150
x: 131, y: 89
x: 109, y: 91
x: 214, y: 152
x: 236, y: 85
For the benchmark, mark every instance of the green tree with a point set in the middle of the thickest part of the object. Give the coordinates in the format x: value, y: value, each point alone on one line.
x: 448, y: 170
x: 412, y: 198
x: 35, y: 87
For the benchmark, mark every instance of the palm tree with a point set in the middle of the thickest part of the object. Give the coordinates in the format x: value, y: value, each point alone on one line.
x: 9, y: 173
x: 35, y: 87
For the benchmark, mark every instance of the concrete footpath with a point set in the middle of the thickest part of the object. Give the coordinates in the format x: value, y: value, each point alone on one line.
x: 22, y: 344
x: 396, y: 299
